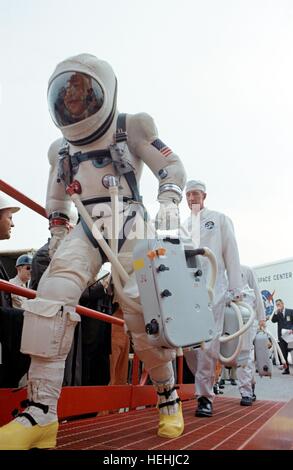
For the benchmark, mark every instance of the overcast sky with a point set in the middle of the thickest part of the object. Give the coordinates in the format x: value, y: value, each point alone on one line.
x: 216, y: 75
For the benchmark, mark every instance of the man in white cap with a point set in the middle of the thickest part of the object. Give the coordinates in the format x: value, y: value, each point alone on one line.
x: 7, y: 208
x: 14, y: 364
x: 215, y: 232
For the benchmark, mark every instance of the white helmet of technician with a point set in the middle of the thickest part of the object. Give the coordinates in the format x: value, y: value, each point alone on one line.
x: 7, y: 208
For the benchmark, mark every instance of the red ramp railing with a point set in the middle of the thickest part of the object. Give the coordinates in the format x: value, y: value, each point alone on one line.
x: 87, y: 312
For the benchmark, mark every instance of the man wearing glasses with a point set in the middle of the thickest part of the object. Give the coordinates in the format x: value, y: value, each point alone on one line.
x: 23, y: 266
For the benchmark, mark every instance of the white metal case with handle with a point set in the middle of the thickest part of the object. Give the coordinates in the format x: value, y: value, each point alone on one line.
x: 173, y: 293
x: 263, y: 354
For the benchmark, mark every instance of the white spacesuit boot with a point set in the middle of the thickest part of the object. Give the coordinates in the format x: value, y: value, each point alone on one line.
x: 37, y: 425
x: 158, y: 362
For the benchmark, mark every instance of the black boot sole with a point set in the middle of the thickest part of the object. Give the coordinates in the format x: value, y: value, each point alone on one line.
x: 203, y: 414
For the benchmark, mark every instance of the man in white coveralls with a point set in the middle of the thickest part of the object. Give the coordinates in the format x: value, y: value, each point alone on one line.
x: 97, y: 144
x: 217, y: 233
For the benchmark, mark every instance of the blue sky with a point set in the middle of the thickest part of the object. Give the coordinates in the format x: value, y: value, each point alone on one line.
x: 216, y: 76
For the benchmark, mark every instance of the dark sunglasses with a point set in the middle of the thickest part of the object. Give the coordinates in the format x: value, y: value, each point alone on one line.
x: 28, y: 268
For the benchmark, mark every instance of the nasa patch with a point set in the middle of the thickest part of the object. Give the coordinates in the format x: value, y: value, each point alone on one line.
x: 268, y: 300
x: 209, y: 225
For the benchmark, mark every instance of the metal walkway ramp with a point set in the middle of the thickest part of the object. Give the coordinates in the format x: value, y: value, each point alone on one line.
x: 230, y: 428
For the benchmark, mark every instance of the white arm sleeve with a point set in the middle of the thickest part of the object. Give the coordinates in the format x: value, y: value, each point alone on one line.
x: 231, y: 254
x: 259, y: 305
x: 145, y: 143
x: 56, y: 199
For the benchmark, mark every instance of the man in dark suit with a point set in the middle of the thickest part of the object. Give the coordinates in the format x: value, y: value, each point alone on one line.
x: 14, y: 364
x: 284, y: 317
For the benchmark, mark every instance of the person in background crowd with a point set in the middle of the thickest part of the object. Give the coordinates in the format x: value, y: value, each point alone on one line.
x: 23, y: 266
x: 119, y: 358
x: 246, y: 368
x: 284, y: 317
x: 96, y: 334
x: 230, y: 374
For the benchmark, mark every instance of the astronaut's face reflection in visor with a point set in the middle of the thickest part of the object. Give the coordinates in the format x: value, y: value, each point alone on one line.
x: 73, y: 97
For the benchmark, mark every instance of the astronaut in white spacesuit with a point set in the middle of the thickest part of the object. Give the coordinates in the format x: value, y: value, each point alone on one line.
x: 215, y: 232
x: 97, y: 143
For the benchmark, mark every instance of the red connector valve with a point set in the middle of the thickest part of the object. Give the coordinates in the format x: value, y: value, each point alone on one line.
x: 74, y: 188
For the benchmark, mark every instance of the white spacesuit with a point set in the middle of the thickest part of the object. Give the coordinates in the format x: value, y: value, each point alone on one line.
x: 216, y: 233
x: 82, y: 99
x: 246, y: 369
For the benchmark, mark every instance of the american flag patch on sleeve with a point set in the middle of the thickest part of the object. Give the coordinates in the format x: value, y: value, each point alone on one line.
x: 159, y: 145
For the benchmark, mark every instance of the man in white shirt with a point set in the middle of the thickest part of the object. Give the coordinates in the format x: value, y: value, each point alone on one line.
x: 216, y: 233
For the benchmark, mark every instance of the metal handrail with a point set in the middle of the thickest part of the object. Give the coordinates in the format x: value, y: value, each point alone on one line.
x: 87, y: 312
x: 20, y: 197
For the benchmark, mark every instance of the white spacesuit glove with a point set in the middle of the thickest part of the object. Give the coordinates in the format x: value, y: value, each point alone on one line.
x: 168, y: 216
x: 57, y: 235
x: 233, y: 295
